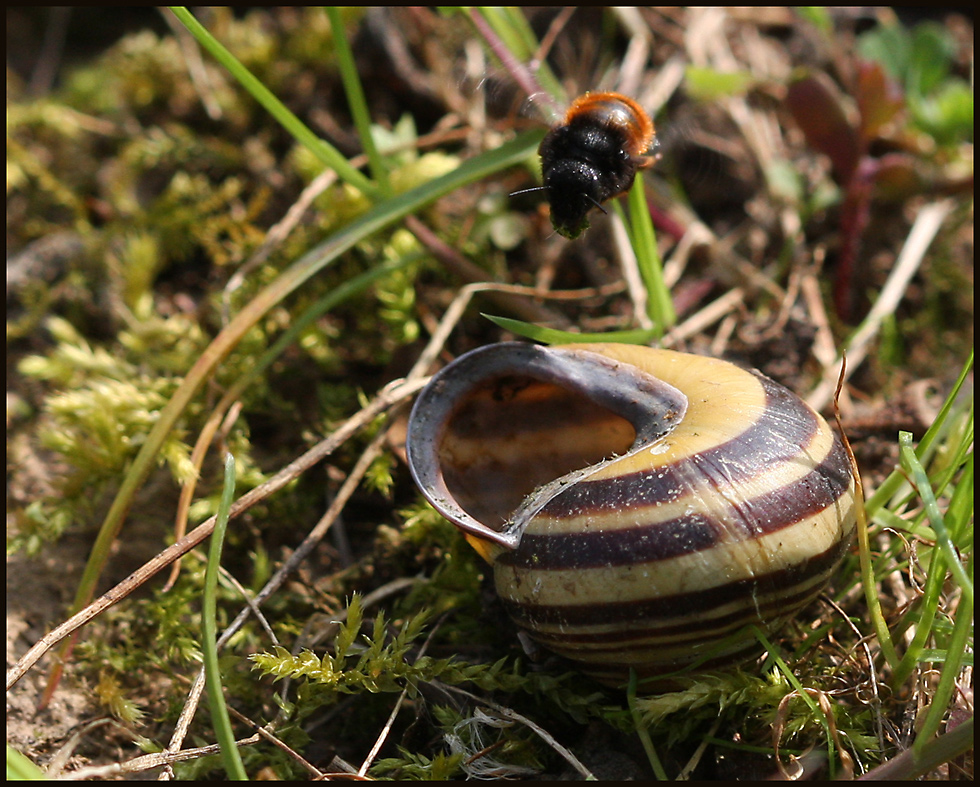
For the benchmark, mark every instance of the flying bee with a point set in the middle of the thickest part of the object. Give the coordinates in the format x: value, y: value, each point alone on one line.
x: 592, y: 156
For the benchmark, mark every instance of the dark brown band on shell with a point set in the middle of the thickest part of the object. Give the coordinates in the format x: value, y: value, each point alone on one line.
x: 643, y: 508
x: 651, y: 540
x: 666, y: 608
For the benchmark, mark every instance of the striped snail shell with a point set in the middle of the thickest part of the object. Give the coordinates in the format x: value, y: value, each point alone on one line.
x: 640, y: 507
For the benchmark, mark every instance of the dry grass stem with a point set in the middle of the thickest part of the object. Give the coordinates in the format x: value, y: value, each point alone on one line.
x: 923, y: 231
x: 472, y: 273
x: 148, y: 762
x: 279, y: 232
x: 394, y: 393
x: 695, y: 236
x: 250, y: 602
x: 824, y: 348
x: 196, y: 69
x: 513, y: 715
x: 706, y: 317
x: 266, y: 734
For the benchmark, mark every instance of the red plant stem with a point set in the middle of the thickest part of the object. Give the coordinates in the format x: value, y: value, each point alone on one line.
x: 855, y: 214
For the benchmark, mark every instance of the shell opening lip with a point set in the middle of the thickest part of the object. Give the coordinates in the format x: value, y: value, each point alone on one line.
x: 652, y: 407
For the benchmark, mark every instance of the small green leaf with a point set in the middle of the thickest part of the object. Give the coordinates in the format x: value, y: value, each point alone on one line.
x: 946, y: 114
x: 349, y: 630
x: 707, y: 84
x: 889, y: 45
x: 932, y: 52
x: 785, y: 181
x: 554, y: 336
x: 21, y: 769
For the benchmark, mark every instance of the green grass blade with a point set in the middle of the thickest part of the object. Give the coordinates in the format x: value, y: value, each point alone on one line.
x: 921, y: 479
x: 22, y: 769
x: 641, y: 730
x: 870, y: 584
x: 326, y: 152
x: 959, y: 513
x: 209, y: 645
x: 952, y: 665
x: 356, y: 100
x: 950, y: 532
x: 876, y: 507
x: 660, y: 307
x: 554, y: 336
x: 893, y: 483
x: 313, y: 312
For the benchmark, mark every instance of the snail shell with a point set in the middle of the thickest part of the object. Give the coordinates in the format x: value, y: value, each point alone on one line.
x: 639, y: 507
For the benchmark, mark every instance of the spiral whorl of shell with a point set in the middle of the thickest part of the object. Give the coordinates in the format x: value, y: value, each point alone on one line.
x: 640, y: 507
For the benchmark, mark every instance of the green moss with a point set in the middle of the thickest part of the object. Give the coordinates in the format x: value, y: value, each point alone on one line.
x: 411, y: 766
x: 163, y: 200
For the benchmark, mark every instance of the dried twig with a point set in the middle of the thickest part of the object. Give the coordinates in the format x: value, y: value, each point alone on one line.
x: 196, y: 69
x: 926, y: 225
x: 266, y: 734
x: 473, y: 273
x: 824, y: 349
x: 280, y: 231
x: 394, y: 393
x: 709, y: 315
x: 630, y: 267
x: 513, y: 715
x: 150, y: 761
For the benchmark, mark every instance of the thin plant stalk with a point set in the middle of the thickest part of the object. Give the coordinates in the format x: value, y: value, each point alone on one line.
x: 323, y: 150
x: 220, y: 718
x: 641, y: 730
x: 356, y: 100
x: 878, y: 622
x: 890, y: 486
x: 802, y: 692
x: 921, y: 480
x: 660, y: 307
x: 511, y: 39
x: 869, y: 581
x: 514, y: 20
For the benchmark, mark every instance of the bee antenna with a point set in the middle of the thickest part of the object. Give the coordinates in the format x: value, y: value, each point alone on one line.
x: 594, y: 202
x: 525, y: 191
